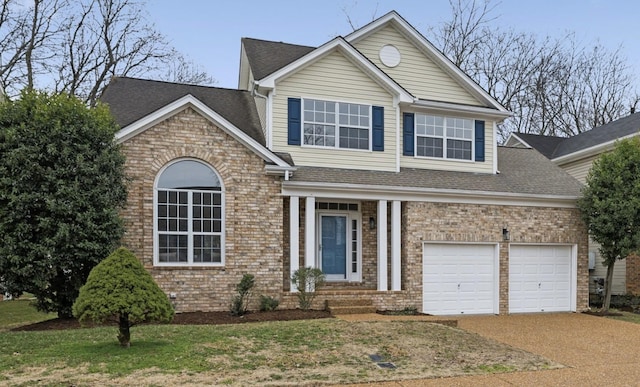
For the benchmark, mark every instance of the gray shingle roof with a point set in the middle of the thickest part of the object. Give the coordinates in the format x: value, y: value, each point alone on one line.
x: 522, y: 171
x: 544, y: 144
x: 266, y: 57
x: 554, y: 147
x: 131, y: 99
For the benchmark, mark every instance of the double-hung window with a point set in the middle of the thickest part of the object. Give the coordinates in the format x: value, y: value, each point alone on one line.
x: 189, y: 220
x: 444, y: 137
x: 336, y: 124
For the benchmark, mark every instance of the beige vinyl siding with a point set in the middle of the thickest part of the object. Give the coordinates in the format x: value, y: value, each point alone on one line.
x: 619, y: 285
x: 334, y: 78
x: 485, y: 166
x: 416, y: 72
x: 580, y: 168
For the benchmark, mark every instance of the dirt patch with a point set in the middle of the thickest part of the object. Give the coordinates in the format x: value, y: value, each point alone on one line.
x: 196, y: 318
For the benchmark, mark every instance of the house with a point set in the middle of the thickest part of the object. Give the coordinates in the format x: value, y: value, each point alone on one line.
x: 372, y: 157
x: 576, y: 155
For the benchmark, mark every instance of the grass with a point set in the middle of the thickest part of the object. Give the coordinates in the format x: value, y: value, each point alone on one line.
x: 296, y: 352
x: 626, y: 316
x: 14, y: 313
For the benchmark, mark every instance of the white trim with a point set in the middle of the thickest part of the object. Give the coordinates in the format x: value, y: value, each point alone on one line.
x: 188, y: 100
x: 429, y: 50
x: 377, y: 192
x: 495, y: 148
x: 310, y: 231
x: 294, y: 237
x: 398, y: 144
x: 156, y: 241
x: 269, y: 119
x: 355, y: 57
x: 448, y: 107
x: 382, y: 246
x: 520, y: 140
x: 396, y: 267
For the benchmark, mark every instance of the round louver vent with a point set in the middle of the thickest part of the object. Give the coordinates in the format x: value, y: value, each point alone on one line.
x: 390, y: 56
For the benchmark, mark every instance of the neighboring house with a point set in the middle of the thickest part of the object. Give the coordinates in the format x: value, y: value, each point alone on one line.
x: 576, y: 155
x: 372, y: 157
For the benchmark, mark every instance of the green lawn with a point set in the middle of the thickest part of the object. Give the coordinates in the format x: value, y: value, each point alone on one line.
x: 14, y: 313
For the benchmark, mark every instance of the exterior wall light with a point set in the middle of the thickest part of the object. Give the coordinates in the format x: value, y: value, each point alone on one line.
x: 372, y: 223
x: 505, y: 235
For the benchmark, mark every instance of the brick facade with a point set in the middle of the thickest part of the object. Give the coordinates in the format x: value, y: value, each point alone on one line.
x: 253, y: 211
x: 633, y: 274
x: 257, y: 226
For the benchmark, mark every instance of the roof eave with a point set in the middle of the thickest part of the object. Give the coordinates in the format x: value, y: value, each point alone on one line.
x: 403, y: 96
x: 452, y: 107
x: 378, y: 192
x: 189, y: 100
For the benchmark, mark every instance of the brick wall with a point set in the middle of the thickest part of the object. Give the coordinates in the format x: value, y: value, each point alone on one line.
x: 633, y: 274
x: 483, y: 223
x: 253, y: 212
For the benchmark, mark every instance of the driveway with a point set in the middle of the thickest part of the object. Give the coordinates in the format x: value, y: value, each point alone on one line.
x: 594, y: 350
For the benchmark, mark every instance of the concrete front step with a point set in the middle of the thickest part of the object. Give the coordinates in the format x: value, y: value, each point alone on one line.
x: 349, y: 302
x: 352, y: 309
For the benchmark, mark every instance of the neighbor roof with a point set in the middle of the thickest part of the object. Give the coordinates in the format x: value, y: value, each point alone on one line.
x: 131, y: 99
x: 554, y: 147
x: 266, y: 57
x: 522, y: 171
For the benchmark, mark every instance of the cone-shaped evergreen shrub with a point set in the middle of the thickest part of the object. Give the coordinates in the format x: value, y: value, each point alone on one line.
x: 120, y: 288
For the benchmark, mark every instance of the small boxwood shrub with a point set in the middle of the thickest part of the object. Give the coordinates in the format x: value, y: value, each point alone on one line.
x: 268, y: 303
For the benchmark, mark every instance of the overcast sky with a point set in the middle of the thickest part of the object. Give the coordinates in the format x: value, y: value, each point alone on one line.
x: 209, y: 31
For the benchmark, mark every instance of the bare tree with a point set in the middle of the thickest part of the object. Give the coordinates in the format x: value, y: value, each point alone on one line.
x: 554, y: 86
x: 77, y: 46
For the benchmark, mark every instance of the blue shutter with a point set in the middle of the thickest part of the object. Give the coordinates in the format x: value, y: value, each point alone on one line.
x: 407, y: 134
x: 377, y: 126
x: 294, y: 121
x: 479, y: 140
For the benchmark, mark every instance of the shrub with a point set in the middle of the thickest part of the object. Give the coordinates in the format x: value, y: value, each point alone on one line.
x: 307, y: 280
x: 268, y: 303
x: 240, y: 302
x: 119, y: 287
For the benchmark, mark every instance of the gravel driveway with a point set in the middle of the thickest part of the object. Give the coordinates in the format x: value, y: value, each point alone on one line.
x: 596, y: 351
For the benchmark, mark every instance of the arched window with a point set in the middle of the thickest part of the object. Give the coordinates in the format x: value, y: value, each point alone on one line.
x: 189, y: 215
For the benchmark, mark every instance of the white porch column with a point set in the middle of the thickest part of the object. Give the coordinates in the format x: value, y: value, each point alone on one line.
x: 294, y: 236
x: 382, y: 245
x: 396, y: 283
x: 310, y: 232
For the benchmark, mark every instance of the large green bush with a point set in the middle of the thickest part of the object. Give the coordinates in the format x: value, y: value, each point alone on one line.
x: 120, y: 289
x: 62, y: 184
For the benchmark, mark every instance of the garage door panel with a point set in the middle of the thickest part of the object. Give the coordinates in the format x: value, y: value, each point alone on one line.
x: 539, y: 278
x: 458, y: 279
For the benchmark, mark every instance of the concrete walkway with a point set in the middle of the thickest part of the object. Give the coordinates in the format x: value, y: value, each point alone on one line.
x: 596, y: 351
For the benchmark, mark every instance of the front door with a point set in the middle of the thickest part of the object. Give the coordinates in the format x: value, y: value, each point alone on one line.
x: 333, y: 247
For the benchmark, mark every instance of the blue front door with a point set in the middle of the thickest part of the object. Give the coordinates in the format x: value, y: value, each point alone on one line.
x: 333, y: 229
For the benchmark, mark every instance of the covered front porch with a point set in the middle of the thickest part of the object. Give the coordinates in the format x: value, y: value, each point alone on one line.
x: 356, y: 243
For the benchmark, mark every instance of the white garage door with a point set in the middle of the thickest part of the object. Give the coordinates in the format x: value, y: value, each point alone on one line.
x: 459, y: 278
x: 540, y: 279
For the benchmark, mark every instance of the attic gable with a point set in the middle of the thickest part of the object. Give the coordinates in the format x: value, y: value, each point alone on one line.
x: 434, y: 67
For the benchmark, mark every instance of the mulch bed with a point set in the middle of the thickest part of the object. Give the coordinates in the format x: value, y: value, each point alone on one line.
x: 197, y: 318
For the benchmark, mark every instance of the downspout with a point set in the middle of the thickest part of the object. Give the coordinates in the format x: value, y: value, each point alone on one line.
x: 267, y: 118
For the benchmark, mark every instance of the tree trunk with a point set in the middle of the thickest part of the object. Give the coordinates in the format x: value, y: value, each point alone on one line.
x: 607, y: 287
x: 124, y: 336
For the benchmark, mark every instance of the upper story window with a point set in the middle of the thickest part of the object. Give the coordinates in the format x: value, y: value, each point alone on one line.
x: 336, y: 124
x: 189, y: 220
x: 444, y: 137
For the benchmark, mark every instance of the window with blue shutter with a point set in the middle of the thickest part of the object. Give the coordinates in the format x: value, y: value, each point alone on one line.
x: 377, y: 126
x: 407, y: 134
x: 479, y: 139
x: 294, y: 121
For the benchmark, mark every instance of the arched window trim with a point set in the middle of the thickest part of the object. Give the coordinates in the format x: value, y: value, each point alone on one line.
x: 190, y: 235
